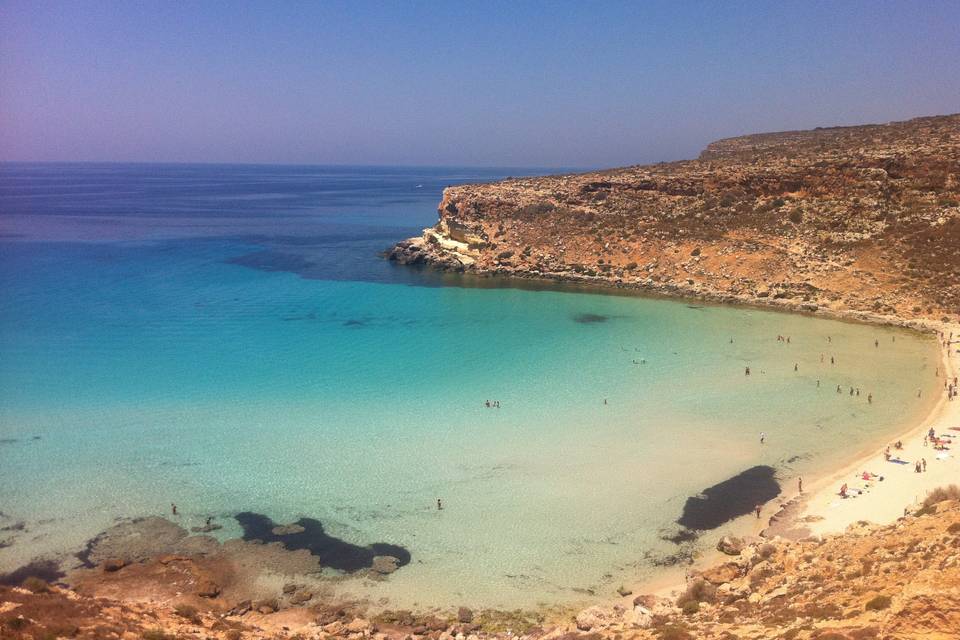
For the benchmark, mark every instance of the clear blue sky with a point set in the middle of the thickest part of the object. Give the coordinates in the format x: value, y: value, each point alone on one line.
x: 456, y: 83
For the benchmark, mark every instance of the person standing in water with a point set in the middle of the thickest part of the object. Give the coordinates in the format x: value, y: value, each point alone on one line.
x: 439, y: 505
x: 747, y: 371
x: 173, y: 508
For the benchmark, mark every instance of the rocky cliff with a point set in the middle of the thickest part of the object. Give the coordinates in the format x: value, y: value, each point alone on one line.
x: 862, y: 219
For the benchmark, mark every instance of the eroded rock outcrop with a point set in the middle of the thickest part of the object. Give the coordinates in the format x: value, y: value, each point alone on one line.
x: 863, y: 219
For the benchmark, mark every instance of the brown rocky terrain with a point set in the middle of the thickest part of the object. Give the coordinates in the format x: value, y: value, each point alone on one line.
x: 845, y: 219
x: 897, y: 581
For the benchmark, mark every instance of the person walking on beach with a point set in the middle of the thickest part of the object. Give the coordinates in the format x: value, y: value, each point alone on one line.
x: 800, y: 484
x: 746, y: 371
x: 795, y: 366
x: 923, y: 462
x: 758, y: 508
x: 763, y: 436
x: 818, y: 384
x: 870, y: 398
x: 832, y: 360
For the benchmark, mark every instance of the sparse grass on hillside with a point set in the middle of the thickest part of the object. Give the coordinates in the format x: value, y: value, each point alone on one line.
x: 949, y: 492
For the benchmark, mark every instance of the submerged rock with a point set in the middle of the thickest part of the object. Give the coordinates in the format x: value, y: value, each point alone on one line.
x: 384, y: 564
x: 287, y: 530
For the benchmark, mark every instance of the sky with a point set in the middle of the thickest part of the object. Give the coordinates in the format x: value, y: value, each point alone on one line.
x: 485, y: 83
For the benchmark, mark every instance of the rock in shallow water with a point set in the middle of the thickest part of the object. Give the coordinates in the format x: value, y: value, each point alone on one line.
x: 287, y: 530
x: 384, y: 564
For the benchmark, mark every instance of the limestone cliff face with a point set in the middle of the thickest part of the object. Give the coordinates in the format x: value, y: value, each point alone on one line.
x: 852, y: 219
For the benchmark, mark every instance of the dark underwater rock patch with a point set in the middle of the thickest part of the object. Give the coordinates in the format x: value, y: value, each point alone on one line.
x: 680, y: 536
x: 273, y: 261
x: 332, y: 552
x: 590, y: 318
x: 47, y: 570
x: 730, y: 499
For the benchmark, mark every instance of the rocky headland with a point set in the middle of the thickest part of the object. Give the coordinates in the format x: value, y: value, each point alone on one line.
x: 860, y: 221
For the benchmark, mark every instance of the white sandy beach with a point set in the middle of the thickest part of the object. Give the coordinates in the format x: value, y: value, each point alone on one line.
x: 884, y: 501
x: 822, y: 510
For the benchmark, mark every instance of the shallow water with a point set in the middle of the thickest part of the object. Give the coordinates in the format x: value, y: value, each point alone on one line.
x: 227, y: 338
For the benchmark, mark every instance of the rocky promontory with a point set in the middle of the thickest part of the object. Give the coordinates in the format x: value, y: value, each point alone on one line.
x: 862, y: 219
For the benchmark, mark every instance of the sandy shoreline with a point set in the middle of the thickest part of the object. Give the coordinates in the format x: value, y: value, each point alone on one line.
x: 820, y: 510
x: 883, y: 502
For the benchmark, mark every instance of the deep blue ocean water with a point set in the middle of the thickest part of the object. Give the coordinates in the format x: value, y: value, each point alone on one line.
x: 229, y: 338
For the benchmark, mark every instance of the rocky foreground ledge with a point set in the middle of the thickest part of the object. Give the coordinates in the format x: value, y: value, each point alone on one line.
x: 895, y: 581
x: 848, y: 219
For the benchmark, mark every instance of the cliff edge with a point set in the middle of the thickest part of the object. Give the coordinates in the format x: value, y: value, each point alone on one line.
x: 849, y: 219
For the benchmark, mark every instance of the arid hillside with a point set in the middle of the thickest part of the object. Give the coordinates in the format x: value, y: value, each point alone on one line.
x: 862, y: 218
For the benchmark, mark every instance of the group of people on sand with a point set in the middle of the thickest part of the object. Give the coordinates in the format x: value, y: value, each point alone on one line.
x: 939, y: 442
x: 865, y: 476
x: 492, y: 404
x: 898, y: 445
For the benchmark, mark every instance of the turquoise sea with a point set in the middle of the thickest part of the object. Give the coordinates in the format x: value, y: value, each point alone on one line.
x: 228, y: 338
